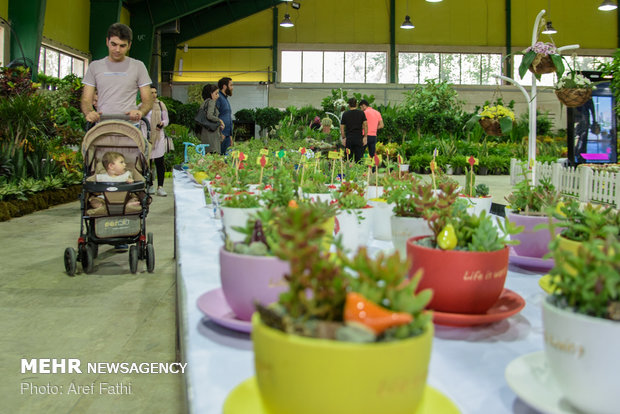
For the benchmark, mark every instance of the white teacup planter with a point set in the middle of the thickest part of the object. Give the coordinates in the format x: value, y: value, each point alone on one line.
x: 323, y: 197
x: 582, y: 354
x: 403, y: 228
x: 382, y: 213
x: 373, y: 191
x: 235, y: 217
x: 354, y: 227
x: 476, y: 205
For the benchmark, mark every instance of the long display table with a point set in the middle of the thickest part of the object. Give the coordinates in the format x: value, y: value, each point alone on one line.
x: 467, y: 364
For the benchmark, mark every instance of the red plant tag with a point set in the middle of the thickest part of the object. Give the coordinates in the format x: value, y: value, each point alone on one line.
x: 263, y: 161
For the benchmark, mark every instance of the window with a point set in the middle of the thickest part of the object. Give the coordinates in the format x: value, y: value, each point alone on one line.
x: 57, y: 63
x: 455, y: 68
x: 548, y: 79
x: 334, y: 67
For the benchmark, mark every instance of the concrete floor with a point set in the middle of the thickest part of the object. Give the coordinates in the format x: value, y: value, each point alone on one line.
x: 109, y: 315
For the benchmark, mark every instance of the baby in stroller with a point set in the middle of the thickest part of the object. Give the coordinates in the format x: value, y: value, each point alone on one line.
x: 115, y: 171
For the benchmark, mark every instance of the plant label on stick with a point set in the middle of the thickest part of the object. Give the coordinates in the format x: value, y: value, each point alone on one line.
x: 264, y: 151
x: 262, y: 161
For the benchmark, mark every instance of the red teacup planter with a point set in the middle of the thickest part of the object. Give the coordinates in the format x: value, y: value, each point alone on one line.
x: 462, y: 281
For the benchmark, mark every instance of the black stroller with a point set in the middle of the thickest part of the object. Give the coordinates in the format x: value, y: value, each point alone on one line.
x: 122, y: 216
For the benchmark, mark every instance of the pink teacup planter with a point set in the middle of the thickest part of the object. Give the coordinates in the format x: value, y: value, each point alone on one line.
x: 247, y: 279
x: 534, y: 243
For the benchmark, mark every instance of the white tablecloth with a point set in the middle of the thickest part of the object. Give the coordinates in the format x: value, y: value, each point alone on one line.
x: 467, y: 364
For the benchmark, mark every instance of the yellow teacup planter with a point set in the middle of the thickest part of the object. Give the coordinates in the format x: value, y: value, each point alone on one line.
x: 304, y: 375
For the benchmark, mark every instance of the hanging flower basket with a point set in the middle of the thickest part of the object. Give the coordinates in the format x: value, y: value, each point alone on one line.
x: 491, y: 126
x: 542, y: 64
x: 573, y: 97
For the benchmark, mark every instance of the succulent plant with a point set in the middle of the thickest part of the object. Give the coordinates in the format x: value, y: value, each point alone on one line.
x: 589, y: 281
x: 350, y: 196
x: 531, y: 199
x: 585, y: 223
x: 284, y: 184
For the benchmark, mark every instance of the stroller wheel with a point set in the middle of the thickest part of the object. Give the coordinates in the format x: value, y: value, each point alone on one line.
x: 150, y: 258
x: 87, y: 259
x: 133, y: 259
x: 149, y: 238
x: 70, y: 261
x: 93, y: 248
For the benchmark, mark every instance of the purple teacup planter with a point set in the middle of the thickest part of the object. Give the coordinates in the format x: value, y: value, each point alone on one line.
x: 247, y: 279
x: 534, y: 243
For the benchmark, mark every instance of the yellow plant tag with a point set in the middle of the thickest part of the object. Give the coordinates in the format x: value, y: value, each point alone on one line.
x: 264, y: 151
x: 333, y: 155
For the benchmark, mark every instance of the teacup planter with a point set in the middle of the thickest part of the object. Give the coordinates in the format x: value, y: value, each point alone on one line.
x: 462, y: 281
x: 373, y: 191
x: 381, y: 219
x: 533, y: 243
x: 354, y: 227
x: 249, y: 279
x: 327, y: 197
x: 404, y: 228
x: 476, y: 205
x: 582, y: 355
x: 308, y: 375
x: 235, y: 217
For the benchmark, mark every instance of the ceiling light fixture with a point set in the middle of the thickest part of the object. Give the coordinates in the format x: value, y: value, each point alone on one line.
x: 549, y: 29
x: 434, y: 1
x: 286, y: 22
x: 608, y: 5
x: 407, y: 24
x: 296, y: 5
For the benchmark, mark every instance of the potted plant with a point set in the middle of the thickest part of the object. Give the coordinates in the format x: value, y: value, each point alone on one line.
x: 529, y: 204
x: 495, y: 119
x: 541, y: 58
x: 353, y: 220
x: 351, y: 325
x: 581, y: 320
x: 465, y: 260
x: 411, y: 198
x: 477, y: 196
x: 315, y: 187
x: 250, y: 271
x: 235, y: 210
x: 573, y: 89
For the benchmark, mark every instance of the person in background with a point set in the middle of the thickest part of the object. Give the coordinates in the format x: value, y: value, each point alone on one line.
x: 214, y: 139
x: 158, y: 118
x: 354, y: 130
x: 225, y: 85
x: 375, y: 123
x: 316, y: 123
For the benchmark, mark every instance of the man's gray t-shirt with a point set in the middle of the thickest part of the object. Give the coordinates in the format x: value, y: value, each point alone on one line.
x: 117, y: 83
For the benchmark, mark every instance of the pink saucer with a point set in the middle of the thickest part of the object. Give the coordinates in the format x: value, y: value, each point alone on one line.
x: 214, y: 305
x: 508, y: 304
x: 533, y: 263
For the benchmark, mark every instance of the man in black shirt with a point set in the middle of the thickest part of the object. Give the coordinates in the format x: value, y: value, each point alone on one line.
x: 354, y: 130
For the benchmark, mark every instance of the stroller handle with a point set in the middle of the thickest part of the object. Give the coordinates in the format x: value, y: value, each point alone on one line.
x: 122, y: 117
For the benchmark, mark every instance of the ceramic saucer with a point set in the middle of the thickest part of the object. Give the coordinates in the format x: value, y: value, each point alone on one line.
x: 530, y: 378
x: 533, y: 263
x: 214, y: 305
x: 245, y: 399
x: 508, y: 304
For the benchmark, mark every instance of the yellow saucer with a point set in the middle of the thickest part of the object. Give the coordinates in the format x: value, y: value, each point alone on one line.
x: 545, y: 283
x: 245, y: 399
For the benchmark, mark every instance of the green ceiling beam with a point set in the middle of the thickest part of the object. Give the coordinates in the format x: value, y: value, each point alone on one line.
x: 27, y: 17
x: 103, y: 13
x: 274, y: 50
x: 392, y: 41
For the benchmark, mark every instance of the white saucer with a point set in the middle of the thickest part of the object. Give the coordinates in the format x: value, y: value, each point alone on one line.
x: 530, y: 378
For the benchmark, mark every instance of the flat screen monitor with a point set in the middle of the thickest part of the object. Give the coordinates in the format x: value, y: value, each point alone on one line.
x: 591, y: 132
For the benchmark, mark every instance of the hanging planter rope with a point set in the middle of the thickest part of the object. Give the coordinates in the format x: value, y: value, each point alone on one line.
x: 572, y: 97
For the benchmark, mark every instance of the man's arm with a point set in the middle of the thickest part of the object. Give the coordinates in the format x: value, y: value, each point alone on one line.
x: 145, y: 106
x: 86, y: 105
x: 365, y: 132
x: 380, y: 125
